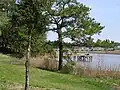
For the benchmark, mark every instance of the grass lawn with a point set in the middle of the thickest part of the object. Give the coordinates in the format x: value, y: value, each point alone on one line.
x: 12, y: 78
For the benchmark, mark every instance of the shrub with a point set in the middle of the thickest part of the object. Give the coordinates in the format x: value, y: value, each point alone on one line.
x: 68, y: 67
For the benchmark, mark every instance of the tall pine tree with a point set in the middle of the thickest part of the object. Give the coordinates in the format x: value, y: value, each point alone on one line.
x: 30, y: 15
x: 70, y: 19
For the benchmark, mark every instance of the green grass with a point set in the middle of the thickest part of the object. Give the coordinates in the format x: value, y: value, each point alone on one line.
x: 12, y: 76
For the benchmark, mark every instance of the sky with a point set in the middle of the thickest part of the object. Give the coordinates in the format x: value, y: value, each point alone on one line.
x: 17, y: 1
x: 107, y: 12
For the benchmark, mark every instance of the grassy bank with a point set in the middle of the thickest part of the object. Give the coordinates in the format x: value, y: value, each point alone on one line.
x: 12, y: 78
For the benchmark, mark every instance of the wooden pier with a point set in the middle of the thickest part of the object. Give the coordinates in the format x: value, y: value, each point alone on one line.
x: 84, y: 58
x: 80, y: 57
x: 75, y: 56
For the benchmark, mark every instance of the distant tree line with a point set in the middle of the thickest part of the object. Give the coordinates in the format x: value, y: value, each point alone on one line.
x: 101, y: 43
x: 88, y: 43
x: 105, y: 43
x: 98, y: 43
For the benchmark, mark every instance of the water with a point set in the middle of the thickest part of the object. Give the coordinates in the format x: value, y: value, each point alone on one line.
x: 105, y: 61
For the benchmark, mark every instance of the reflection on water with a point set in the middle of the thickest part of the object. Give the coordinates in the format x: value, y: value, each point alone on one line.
x: 105, y: 61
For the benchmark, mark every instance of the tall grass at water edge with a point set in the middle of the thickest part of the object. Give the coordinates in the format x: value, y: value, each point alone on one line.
x: 100, y: 71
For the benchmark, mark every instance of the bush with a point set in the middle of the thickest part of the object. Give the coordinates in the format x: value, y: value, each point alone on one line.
x: 68, y: 67
x: 78, y: 70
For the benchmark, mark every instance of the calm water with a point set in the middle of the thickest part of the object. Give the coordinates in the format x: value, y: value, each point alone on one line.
x: 106, y: 61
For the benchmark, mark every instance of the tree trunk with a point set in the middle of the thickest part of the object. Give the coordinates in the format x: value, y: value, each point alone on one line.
x: 2, y: 41
x: 27, y: 63
x: 60, y: 50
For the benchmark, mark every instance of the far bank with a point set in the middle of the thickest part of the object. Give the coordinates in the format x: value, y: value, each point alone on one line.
x: 117, y: 52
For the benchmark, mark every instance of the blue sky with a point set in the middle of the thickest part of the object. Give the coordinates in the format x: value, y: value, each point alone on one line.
x: 107, y: 12
x: 17, y: 1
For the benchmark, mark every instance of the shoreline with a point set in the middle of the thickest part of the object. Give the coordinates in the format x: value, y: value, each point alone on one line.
x: 116, y: 52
